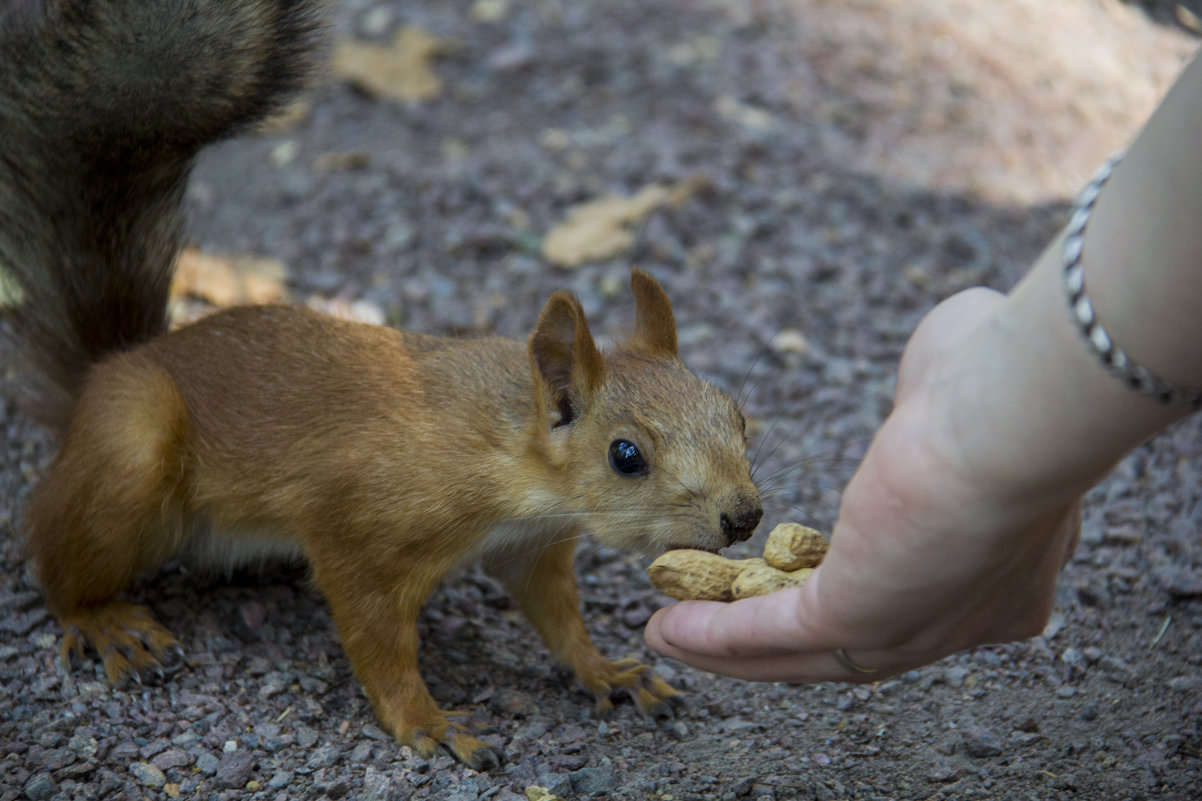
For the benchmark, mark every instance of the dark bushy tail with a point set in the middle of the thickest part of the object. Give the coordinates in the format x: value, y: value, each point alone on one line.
x: 103, y: 106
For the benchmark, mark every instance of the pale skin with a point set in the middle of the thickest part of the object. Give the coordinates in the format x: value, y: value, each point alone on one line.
x: 953, y: 529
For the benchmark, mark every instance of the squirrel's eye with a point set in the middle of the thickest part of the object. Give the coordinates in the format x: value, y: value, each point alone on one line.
x: 625, y: 458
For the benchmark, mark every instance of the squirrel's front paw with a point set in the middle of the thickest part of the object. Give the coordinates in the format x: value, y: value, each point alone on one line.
x: 653, y: 696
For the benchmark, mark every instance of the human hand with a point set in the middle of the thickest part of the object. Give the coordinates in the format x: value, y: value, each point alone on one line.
x: 933, y: 551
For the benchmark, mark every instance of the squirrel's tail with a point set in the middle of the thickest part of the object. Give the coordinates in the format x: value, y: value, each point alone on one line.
x: 103, y: 106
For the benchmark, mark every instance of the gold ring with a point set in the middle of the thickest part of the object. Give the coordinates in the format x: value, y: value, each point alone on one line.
x: 843, y: 659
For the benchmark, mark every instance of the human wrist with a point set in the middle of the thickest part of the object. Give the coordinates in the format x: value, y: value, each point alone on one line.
x: 1098, y: 340
x: 1143, y: 246
x: 1045, y: 396
x: 1032, y: 409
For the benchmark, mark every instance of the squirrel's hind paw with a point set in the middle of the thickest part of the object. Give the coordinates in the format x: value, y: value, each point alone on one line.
x: 131, y: 643
x: 475, y: 753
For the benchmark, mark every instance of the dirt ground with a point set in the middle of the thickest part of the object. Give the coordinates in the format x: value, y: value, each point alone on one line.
x: 848, y: 164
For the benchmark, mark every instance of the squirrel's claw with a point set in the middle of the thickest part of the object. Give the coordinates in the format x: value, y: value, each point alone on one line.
x: 480, y: 757
x: 603, y: 707
x: 73, y: 648
x: 174, y: 655
x: 653, y: 696
x: 454, y: 740
x: 130, y: 643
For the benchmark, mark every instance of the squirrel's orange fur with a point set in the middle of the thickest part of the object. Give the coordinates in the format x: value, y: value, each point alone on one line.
x: 386, y: 458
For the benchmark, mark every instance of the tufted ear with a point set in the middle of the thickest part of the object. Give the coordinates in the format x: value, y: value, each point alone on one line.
x: 654, y: 323
x: 568, y: 367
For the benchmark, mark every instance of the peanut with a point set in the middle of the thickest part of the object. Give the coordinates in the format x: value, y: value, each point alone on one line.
x: 792, y: 546
x: 791, y: 553
x: 687, y: 574
x: 763, y: 578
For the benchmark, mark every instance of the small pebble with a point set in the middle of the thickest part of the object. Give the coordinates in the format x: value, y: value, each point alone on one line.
x: 207, y: 763
x: 40, y: 787
x: 305, y: 736
x: 594, y: 781
x: 980, y: 742
x: 123, y: 751
x: 171, y: 758
x: 1185, y: 684
x: 147, y: 774
x: 235, y: 769
x: 322, y: 757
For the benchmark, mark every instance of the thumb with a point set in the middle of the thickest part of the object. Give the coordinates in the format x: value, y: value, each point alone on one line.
x: 753, y: 627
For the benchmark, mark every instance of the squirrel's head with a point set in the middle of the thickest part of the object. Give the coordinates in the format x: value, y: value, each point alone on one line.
x: 649, y: 455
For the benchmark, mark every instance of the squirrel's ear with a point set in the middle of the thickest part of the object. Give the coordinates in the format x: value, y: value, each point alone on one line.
x: 565, y: 360
x: 654, y: 323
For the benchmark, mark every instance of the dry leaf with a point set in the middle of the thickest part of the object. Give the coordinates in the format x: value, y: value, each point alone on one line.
x: 600, y: 229
x: 334, y: 162
x: 11, y: 294
x: 790, y: 340
x: 744, y: 115
x: 288, y: 117
x: 489, y: 10
x: 1188, y: 19
x: 400, y: 71
x: 355, y: 311
x: 220, y: 281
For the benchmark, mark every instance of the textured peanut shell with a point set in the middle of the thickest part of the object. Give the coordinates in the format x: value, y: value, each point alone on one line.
x: 763, y: 578
x: 687, y: 574
x: 791, y: 547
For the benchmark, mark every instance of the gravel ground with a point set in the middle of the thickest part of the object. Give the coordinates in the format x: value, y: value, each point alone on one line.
x: 854, y: 162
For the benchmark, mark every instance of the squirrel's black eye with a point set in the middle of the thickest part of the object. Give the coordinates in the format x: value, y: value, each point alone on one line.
x: 625, y: 458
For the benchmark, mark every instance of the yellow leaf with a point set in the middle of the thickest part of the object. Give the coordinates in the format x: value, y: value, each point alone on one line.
x: 288, y: 117
x: 536, y: 793
x: 744, y: 115
x: 220, y: 281
x: 400, y: 71
x: 600, y: 229
x: 11, y: 294
x: 358, y: 311
x: 489, y: 10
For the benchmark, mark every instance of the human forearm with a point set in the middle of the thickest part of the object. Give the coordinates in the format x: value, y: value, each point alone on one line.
x: 1143, y: 247
x: 1040, y: 412
x: 1030, y: 408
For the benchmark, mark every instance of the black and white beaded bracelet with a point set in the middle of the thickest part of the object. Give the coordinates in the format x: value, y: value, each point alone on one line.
x: 1135, y: 376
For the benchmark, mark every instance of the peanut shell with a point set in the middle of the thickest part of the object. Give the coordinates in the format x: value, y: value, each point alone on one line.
x: 763, y: 578
x: 686, y: 574
x: 791, y: 547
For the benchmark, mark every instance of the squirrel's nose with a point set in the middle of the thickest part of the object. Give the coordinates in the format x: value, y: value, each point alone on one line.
x: 738, y: 527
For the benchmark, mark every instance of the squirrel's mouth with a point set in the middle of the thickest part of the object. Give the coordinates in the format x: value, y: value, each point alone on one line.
x: 692, y: 547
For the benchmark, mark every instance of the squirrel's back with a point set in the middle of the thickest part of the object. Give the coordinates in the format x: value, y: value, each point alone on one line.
x: 103, y: 106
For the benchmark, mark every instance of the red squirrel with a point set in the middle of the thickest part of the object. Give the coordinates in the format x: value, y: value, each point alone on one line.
x: 385, y: 458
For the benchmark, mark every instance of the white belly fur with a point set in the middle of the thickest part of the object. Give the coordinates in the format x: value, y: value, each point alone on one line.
x: 512, y: 541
